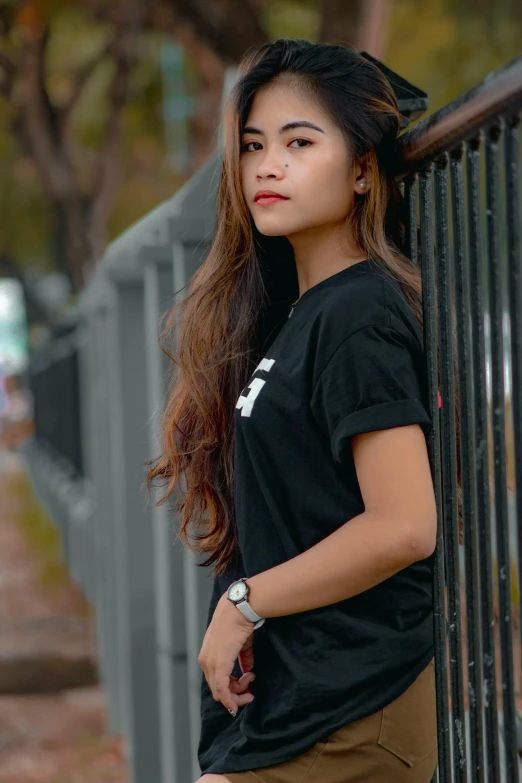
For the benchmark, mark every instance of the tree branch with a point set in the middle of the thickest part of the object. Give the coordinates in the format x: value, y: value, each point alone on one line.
x: 123, y: 49
x: 359, y: 23
x: 41, y: 122
x: 83, y: 75
x: 7, y: 75
x: 227, y: 27
x: 116, y: 15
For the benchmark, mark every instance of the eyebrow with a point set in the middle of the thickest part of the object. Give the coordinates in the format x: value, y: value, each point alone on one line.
x: 288, y: 126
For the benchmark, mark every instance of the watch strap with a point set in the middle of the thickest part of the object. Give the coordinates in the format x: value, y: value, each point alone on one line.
x: 247, y: 611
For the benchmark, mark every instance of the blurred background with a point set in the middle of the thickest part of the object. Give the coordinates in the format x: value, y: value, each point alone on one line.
x: 107, y: 107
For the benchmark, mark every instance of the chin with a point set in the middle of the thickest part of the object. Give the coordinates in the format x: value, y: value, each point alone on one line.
x: 275, y: 229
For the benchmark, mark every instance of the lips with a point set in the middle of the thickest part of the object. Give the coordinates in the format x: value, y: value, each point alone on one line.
x: 269, y: 196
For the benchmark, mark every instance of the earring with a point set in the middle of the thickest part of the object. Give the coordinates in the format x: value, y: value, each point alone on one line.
x: 362, y: 184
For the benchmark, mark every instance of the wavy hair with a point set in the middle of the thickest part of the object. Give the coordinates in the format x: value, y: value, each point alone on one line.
x: 240, y: 295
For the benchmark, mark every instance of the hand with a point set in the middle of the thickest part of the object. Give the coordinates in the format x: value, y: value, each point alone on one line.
x: 229, y: 636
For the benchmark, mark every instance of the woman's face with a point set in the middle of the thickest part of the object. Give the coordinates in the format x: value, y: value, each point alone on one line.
x: 310, y: 166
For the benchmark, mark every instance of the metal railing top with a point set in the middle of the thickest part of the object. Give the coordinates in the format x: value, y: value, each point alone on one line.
x: 500, y: 93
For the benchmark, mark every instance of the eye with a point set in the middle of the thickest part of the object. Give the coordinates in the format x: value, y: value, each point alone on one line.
x: 305, y: 141
x: 244, y: 147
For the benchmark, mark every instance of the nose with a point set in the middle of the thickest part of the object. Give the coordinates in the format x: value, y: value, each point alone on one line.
x: 270, y: 165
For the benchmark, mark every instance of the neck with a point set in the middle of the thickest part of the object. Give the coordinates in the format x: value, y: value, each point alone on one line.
x: 322, y: 253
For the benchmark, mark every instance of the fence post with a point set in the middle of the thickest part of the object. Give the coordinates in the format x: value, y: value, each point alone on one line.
x: 168, y: 561
x: 96, y: 304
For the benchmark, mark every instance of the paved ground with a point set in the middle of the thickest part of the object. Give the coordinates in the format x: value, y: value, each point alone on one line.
x: 47, y: 738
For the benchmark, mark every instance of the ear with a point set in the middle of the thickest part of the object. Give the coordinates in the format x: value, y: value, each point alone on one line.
x: 362, y: 176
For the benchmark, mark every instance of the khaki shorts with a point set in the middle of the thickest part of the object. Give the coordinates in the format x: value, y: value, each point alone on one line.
x: 397, y: 744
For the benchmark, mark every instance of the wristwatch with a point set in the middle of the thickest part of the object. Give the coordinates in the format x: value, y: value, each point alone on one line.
x: 238, y: 594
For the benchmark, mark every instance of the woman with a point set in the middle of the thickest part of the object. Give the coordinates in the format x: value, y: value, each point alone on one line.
x: 299, y: 418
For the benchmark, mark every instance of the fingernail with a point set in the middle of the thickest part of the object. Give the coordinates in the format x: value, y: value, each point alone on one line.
x: 233, y: 713
x: 253, y: 678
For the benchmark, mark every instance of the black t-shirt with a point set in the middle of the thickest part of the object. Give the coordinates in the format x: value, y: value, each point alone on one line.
x: 349, y: 359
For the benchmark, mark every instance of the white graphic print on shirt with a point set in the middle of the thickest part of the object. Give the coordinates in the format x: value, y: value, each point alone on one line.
x: 246, y: 403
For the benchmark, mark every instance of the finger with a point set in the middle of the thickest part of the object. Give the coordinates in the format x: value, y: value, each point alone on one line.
x: 247, y: 678
x: 240, y: 685
x: 238, y: 688
x: 245, y: 698
x: 232, y: 702
x: 240, y: 700
x: 221, y: 692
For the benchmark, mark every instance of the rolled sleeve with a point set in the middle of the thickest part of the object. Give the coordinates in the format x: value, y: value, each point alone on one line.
x: 375, y: 380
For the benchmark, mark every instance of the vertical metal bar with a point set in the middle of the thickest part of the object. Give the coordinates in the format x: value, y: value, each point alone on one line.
x: 410, y: 201
x: 449, y: 471
x: 467, y: 462
x: 429, y: 319
x: 515, y: 309
x: 499, y: 451
x: 168, y: 557
x: 118, y: 555
x: 145, y: 757
x: 104, y: 511
x: 483, y: 522
x: 90, y: 462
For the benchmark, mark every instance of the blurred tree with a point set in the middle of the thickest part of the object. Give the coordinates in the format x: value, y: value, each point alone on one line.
x: 362, y: 23
x: 42, y: 125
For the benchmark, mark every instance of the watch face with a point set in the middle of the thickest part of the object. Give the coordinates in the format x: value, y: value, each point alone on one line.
x: 237, y: 591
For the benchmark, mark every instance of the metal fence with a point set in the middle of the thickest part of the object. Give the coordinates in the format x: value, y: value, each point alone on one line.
x: 463, y: 180
x: 460, y: 173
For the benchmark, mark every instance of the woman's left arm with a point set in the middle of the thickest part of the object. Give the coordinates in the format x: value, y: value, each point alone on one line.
x: 397, y: 528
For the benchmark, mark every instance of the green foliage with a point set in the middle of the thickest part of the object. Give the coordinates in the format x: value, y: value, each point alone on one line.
x: 445, y: 51
x: 291, y: 19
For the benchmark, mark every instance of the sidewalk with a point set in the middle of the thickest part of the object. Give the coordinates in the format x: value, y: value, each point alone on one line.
x: 58, y: 734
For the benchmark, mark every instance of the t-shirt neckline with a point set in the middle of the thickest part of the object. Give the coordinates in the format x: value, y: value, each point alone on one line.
x: 332, y: 279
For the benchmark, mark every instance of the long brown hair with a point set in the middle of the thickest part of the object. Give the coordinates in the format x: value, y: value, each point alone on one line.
x: 239, y: 296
